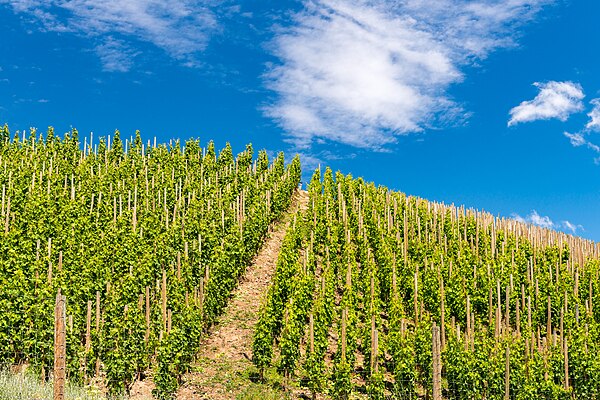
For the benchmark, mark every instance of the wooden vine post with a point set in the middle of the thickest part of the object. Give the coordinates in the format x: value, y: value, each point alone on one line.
x: 443, y: 315
x: 60, y: 347
x: 549, y: 320
x: 88, y: 337
x: 374, y: 346
x: 566, y: 355
x: 416, y: 296
x: 147, y: 334
x: 88, y: 327
x: 468, y: 324
x: 507, y: 375
x: 311, y: 328
x: 97, y: 329
x: 344, y: 322
x: 518, y: 317
x: 437, y: 363
x: 164, y: 303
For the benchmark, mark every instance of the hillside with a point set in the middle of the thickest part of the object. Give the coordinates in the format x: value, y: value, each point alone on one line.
x: 145, y: 242
x: 197, y: 274
x: 380, y: 294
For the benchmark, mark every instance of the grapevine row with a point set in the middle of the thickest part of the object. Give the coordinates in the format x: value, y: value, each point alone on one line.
x: 514, y: 309
x: 145, y: 241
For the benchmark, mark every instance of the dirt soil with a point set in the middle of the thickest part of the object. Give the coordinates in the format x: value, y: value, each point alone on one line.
x: 226, y: 352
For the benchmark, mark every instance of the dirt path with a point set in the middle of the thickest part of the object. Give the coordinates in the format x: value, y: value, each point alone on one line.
x: 225, y: 354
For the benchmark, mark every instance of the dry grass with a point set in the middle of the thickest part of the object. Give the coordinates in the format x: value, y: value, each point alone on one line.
x: 26, y: 386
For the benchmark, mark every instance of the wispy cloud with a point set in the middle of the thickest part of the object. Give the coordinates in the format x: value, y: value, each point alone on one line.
x: 571, y: 227
x: 312, y: 159
x: 555, y: 100
x: 576, y: 139
x: 543, y: 221
x: 594, y: 122
x: 115, y: 55
x: 579, y: 139
x: 362, y: 72
x: 546, y: 222
x: 181, y: 28
x: 535, y: 219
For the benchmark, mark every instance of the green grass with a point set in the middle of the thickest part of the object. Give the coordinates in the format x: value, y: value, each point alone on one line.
x: 270, y: 388
x: 256, y: 391
x: 25, y: 386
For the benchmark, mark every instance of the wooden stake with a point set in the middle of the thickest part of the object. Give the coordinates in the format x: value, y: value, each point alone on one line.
x: 374, y: 346
x: 311, y: 329
x: 472, y: 332
x: 549, y: 320
x: 529, y: 313
x: 507, y: 308
x: 60, y: 347
x: 437, y: 370
x: 591, y: 310
x: 97, y: 329
x: 344, y: 322
x: 507, y: 375
x: 468, y: 331
x: 147, y: 335
x: 523, y: 297
x: 394, y: 284
x: 497, y: 331
x: 443, y: 316
x: 88, y: 327
x: 164, y: 301
x: 415, y: 295
x: 518, y: 317
x: 97, y: 311
x: 490, y: 307
x: 49, y: 273
x: 566, y: 346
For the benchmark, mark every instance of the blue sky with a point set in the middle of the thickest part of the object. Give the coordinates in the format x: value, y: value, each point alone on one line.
x: 487, y: 103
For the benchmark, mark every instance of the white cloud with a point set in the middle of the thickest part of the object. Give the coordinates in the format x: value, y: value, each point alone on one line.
x: 115, y: 55
x: 580, y: 138
x: 566, y: 225
x: 555, y: 100
x: 576, y: 139
x: 593, y: 146
x: 594, y: 123
x: 179, y: 27
x: 536, y: 219
x: 362, y: 72
x: 518, y: 218
x: 545, y: 222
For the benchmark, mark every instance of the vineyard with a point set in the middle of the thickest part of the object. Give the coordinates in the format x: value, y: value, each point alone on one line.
x: 374, y: 294
x: 382, y: 295
x: 145, y: 242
